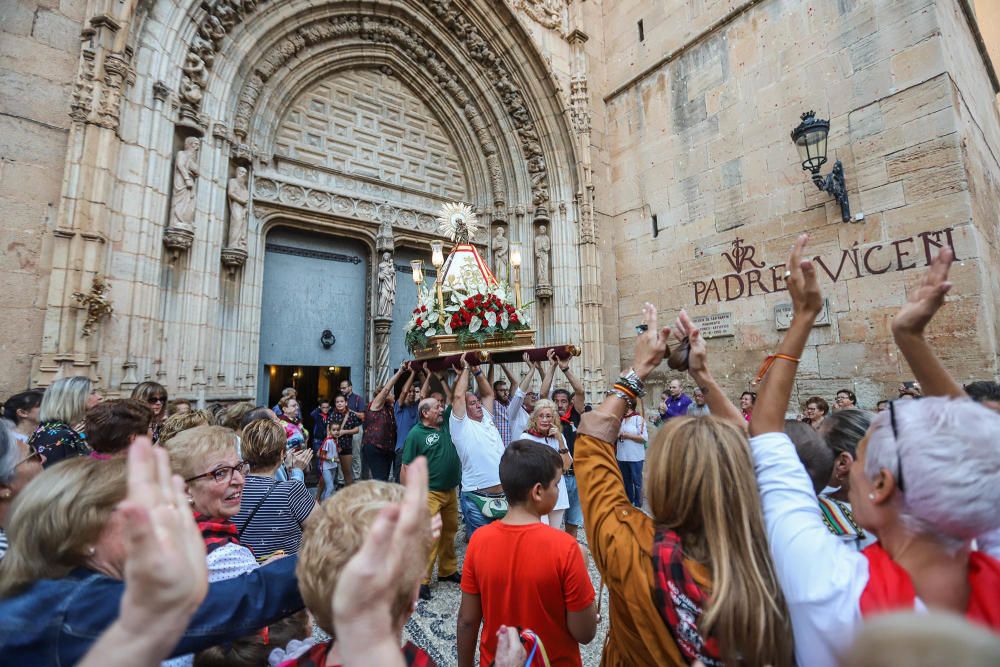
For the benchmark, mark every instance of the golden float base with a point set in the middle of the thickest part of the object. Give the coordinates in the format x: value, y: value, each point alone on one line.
x: 447, y: 344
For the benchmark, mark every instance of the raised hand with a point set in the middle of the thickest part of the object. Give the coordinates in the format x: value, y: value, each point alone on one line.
x: 510, y: 652
x: 651, y: 345
x: 923, y: 302
x: 165, y: 568
x: 550, y: 354
x: 800, y: 278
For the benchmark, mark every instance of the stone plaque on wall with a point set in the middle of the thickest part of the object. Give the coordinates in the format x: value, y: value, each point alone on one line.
x: 715, y: 326
x: 783, y: 315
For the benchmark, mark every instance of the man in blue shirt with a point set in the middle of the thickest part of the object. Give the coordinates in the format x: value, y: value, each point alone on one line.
x: 406, y: 417
x: 677, y: 402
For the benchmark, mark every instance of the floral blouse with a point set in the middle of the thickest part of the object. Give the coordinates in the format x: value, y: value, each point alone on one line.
x: 56, y: 440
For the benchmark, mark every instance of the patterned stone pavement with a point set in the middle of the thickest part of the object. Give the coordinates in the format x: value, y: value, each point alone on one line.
x: 432, y: 626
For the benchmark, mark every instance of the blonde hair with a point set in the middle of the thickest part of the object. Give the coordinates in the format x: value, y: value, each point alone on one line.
x: 183, y: 421
x: 232, y: 416
x: 66, y: 400
x: 189, y: 450
x: 332, y: 536
x: 57, y: 517
x: 701, y: 485
x: 925, y: 639
x: 263, y: 444
x: 540, y: 405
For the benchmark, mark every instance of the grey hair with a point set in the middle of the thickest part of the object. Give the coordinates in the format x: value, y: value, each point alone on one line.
x: 843, y: 430
x: 66, y: 400
x: 424, y: 406
x: 9, y: 452
x: 950, y: 456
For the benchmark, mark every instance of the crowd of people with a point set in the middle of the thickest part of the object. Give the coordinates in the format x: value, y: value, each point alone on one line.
x: 138, y: 531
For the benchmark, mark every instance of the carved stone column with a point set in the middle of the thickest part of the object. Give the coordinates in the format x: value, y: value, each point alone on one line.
x: 383, y: 325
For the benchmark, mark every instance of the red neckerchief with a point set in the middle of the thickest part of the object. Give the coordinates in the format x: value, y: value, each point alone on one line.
x: 890, y: 588
x: 680, y: 600
x: 538, y: 434
x: 316, y: 656
x: 216, y: 532
x: 630, y: 413
x: 566, y: 417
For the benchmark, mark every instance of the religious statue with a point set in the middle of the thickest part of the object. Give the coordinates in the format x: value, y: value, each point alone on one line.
x: 185, y: 174
x: 239, y: 196
x: 501, y: 251
x: 386, y: 285
x: 542, y: 250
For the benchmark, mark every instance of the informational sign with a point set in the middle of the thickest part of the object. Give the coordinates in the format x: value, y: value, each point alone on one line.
x: 715, y: 326
x: 783, y: 316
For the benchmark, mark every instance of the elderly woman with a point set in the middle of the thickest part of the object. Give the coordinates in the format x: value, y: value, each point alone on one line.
x: 273, y: 512
x: 154, y: 395
x: 693, y: 580
x: 61, y: 580
x: 22, y: 411
x: 924, y: 481
x: 816, y: 410
x: 19, y: 464
x: 544, y: 427
x: 214, y: 475
x: 60, y: 434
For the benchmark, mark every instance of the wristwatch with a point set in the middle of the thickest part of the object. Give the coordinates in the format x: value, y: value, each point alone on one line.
x: 632, y: 381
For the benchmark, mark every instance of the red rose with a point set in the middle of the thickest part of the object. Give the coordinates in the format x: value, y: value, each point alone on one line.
x: 419, y: 321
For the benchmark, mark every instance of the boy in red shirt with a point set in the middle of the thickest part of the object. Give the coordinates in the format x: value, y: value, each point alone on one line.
x: 520, y: 572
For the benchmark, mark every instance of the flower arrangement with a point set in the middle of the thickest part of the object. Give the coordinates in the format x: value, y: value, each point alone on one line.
x: 473, y: 311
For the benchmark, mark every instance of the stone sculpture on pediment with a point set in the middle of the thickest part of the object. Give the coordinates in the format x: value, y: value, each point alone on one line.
x: 543, y: 250
x: 238, y: 194
x: 182, y: 204
x: 211, y: 28
x: 226, y: 14
x: 386, y: 285
x: 501, y: 253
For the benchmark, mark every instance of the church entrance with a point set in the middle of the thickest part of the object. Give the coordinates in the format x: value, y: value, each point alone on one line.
x: 314, y: 323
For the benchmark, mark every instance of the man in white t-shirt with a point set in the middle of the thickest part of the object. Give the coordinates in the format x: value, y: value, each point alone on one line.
x: 479, y: 447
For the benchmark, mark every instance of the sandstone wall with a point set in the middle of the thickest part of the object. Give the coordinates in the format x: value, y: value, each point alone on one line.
x: 39, y: 46
x: 699, y: 115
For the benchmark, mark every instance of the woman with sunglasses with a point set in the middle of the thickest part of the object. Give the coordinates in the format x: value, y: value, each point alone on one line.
x: 924, y: 482
x: 19, y: 464
x: 154, y: 395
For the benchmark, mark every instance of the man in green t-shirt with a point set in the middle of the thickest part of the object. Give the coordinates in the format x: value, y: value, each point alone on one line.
x: 429, y: 439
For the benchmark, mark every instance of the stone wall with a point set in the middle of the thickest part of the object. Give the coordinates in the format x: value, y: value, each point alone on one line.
x: 699, y: 115
x: 39, y: 46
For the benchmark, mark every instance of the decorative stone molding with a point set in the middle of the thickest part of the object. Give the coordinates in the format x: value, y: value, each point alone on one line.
x: 96, y: 303
x: 549, y: 13
x: 178, y: 241
x: 81, y: 105
x: 160, y: 91
x: 117, y: 72
x: 221, y: 17
x: 233, y: 259
x: 270, y: 190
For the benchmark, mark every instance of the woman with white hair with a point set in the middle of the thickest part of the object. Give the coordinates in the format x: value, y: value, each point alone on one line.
x: 924, y: 481
x: 60, y: 434
x: 19, y: 464
x: 543, y: 427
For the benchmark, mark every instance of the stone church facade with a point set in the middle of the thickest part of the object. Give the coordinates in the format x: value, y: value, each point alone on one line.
x: 234, y: 172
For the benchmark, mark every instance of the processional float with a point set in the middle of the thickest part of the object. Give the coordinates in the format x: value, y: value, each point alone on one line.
x: 468, y: 310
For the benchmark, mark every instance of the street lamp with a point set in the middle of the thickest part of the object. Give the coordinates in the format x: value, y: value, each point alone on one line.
x: 810, y: 139
x: 515, y: 263
x: 437, y: 259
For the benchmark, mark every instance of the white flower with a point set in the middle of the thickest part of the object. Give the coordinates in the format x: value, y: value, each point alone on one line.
x: 430, y: 332
x: 475, y: 325
x: 447, y: 327
x: 504, y: 320
x: 491, y: 319
x: 427, y: 325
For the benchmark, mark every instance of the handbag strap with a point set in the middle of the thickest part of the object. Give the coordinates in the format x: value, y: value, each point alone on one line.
x: 253, y: 513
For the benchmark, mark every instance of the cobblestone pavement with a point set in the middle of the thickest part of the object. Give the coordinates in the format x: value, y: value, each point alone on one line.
x: 432, y: 626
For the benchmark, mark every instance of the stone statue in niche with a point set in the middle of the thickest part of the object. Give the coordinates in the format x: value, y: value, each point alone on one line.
x: 386, y: 285
x: 185, y: 176
x: 501, y: 252
x: 239, y: 198
x: 543, y: 248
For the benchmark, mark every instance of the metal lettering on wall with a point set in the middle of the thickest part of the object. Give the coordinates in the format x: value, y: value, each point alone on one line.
x: 717, y: 325
x: 873, y: 260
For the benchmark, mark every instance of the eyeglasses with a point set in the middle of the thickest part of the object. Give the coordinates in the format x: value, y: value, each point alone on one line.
x: 899, y: 453
x: 33, y: 454
x: 224, y: 475
x: 157, y: 399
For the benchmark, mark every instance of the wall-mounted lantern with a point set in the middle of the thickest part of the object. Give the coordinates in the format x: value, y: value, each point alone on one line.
x: 810, y: 140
